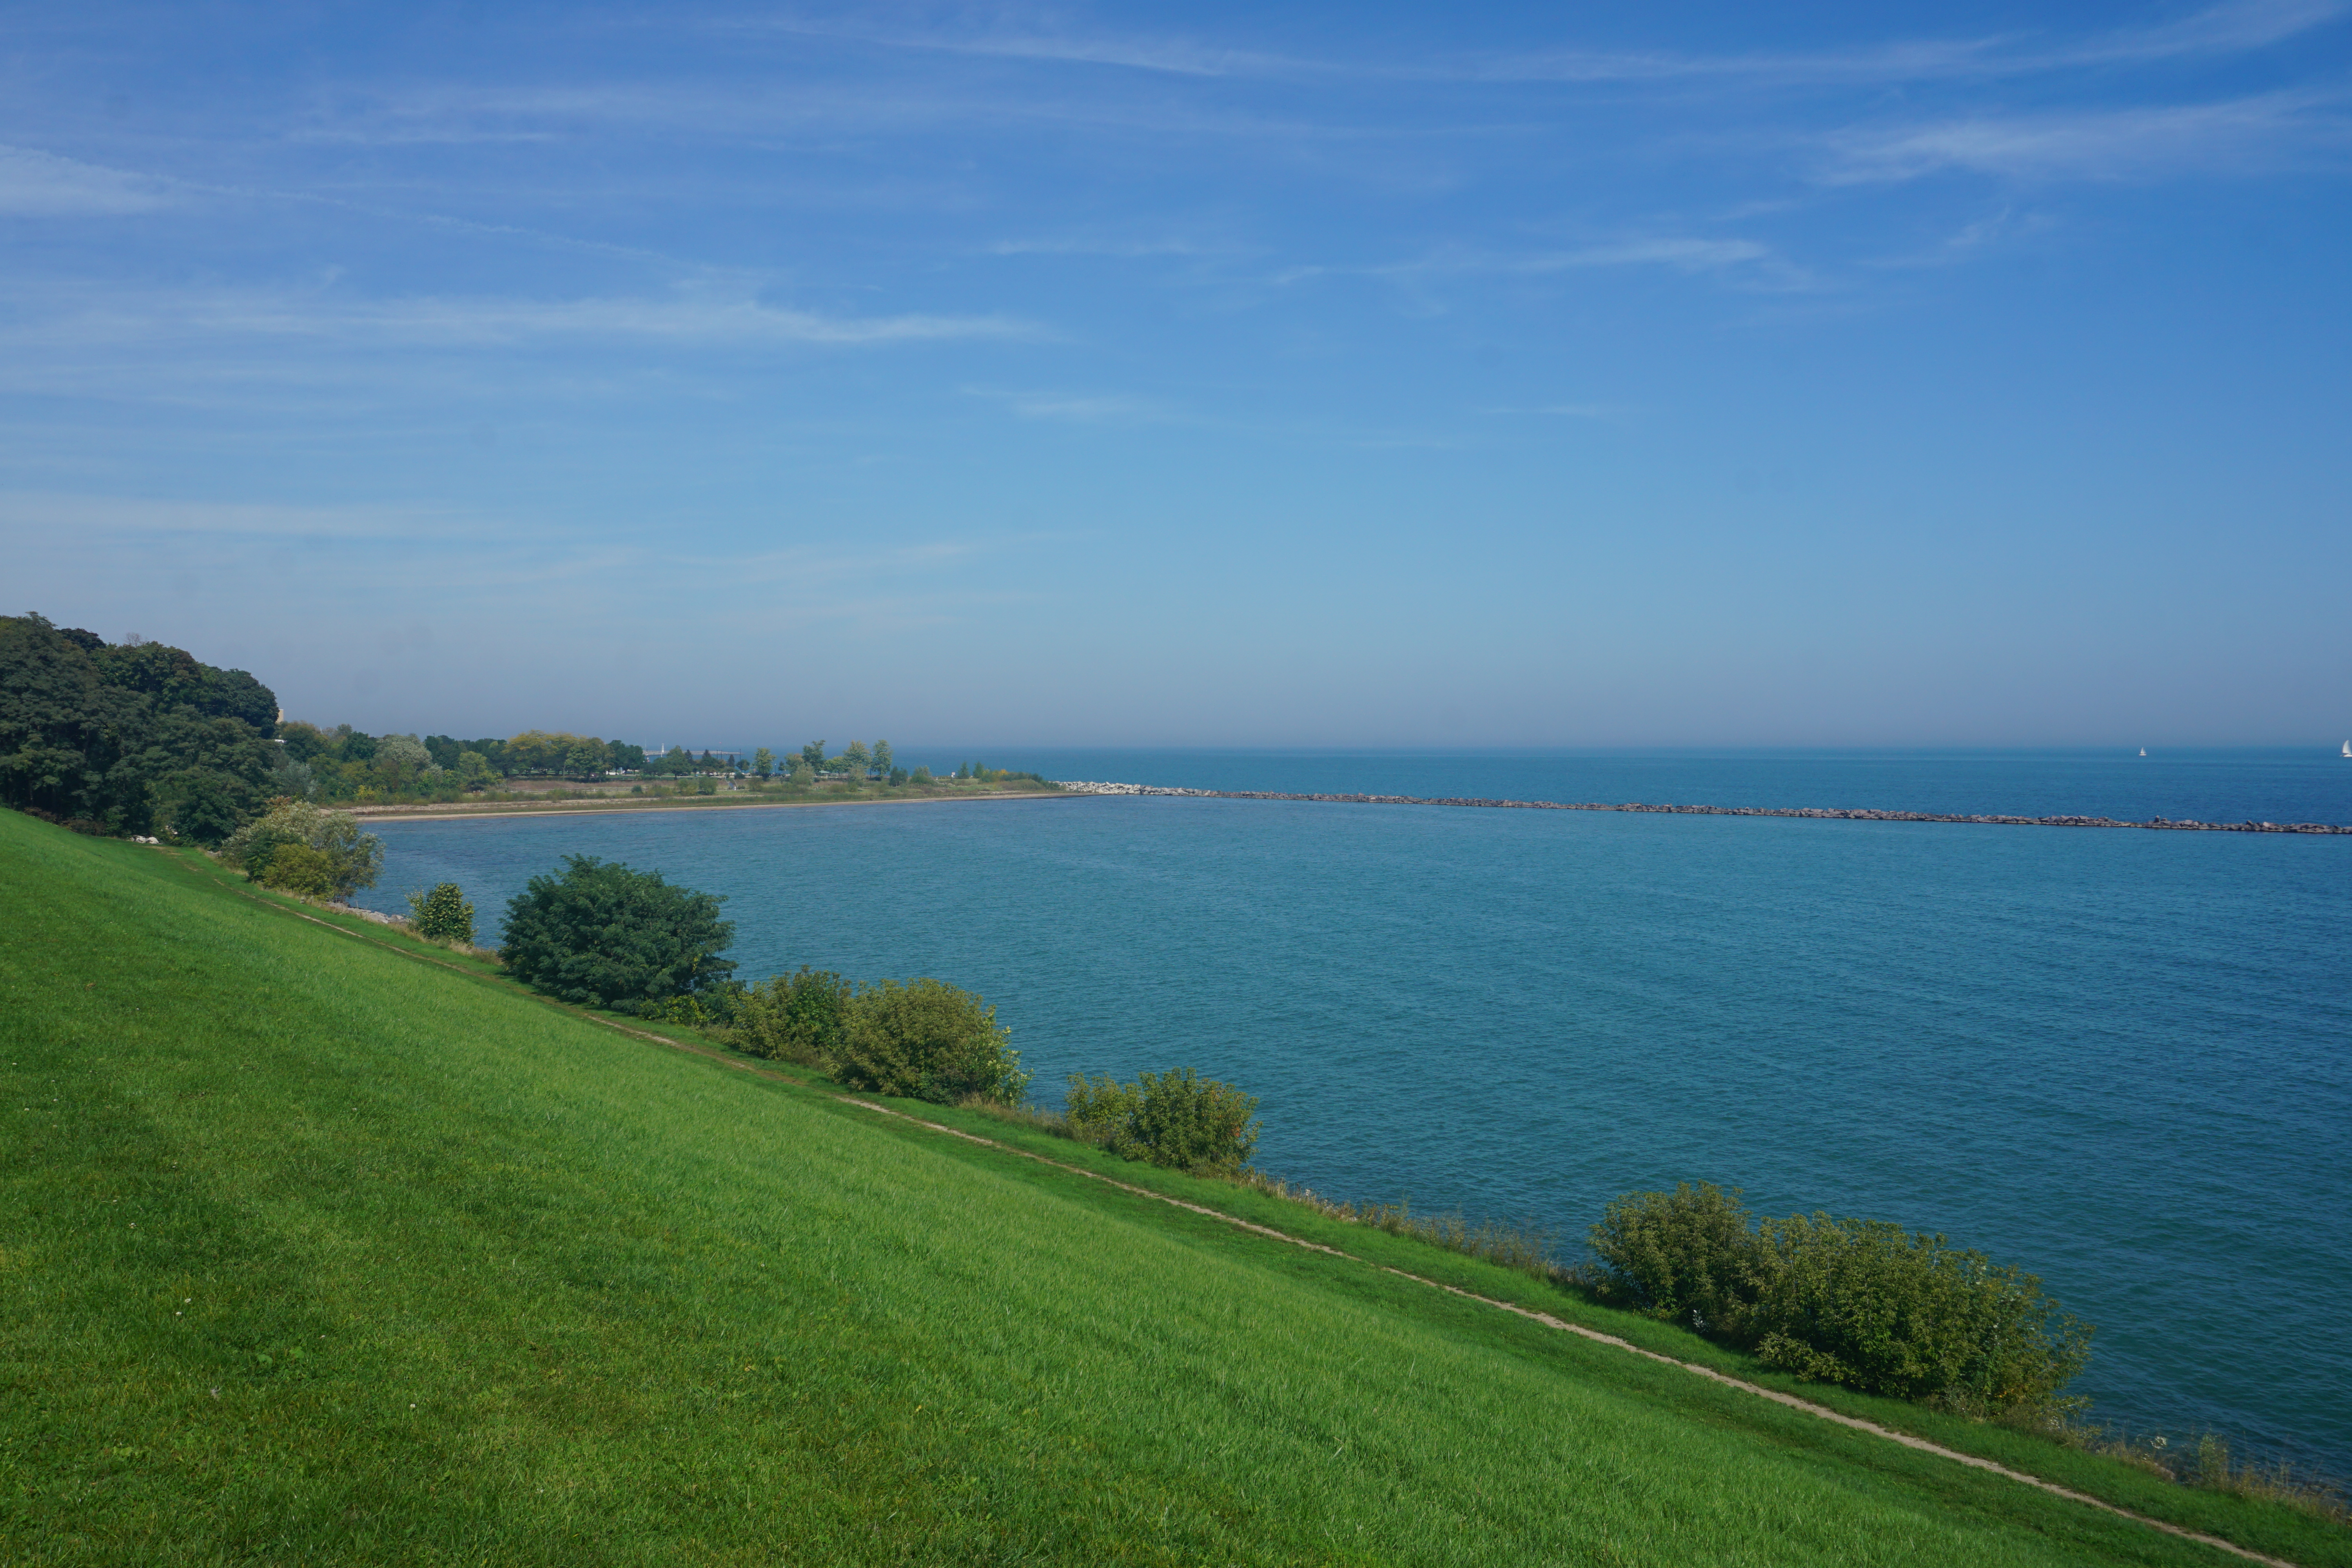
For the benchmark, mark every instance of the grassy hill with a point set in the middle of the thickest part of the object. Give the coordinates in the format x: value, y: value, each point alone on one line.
x: 317, y: 1245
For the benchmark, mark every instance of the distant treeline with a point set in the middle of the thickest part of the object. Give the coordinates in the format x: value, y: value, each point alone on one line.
x: 346, y: 764
x: 141, y: 738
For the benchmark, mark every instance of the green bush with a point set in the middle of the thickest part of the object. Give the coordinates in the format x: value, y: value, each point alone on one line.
x: 927, y: 1040
x: 802, y: 1017
x: 1860, y: 1302
x: 1688, y: 1256
x: 302, y: 870
x: 346, y: 859
x: 441, y: 915
x: 1868, y: 1304
x: 604, y: 935
x: 1173, y: 1118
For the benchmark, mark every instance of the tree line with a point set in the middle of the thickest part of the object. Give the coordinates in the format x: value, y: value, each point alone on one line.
x: 131, y: 737
x: 141, y: 738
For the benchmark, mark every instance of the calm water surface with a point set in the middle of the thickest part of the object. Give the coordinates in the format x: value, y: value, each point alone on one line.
x: 2117, y: 1058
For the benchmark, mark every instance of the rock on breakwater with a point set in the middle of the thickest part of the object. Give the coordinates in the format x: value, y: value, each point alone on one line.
x: 1831, y: 814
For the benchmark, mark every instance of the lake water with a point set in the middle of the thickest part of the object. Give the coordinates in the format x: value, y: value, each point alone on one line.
x: 2117, y: 1058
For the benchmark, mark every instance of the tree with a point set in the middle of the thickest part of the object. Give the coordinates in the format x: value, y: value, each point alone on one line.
x: 929, y: 1040
x: 474, y: 770
x: 295, y: 781
x: 763, y: 762
x: 112, y: 735
x: 443, y: 915
x: 603, y: 934
x: 882, y: 762
x: 814, y: 756
x: 402, y: 761
x: 855, y: 759
x: 586, y: 756
x: 201, y: 806
x: 922, y: 775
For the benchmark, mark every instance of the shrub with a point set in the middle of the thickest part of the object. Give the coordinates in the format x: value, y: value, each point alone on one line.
x: 352, y: 860
x: 441, y: 915
x: 927, y: 1040
x: 1174, y: 1119
x: 1686, y: 1255
x: 300, y: 870
x: 802, y: 1017
x: 1867, y: 1304
x: 1860, y: 1302
x: 603, y: 934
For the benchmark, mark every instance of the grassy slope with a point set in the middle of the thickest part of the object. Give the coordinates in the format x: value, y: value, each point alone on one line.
x: 309, y: 1251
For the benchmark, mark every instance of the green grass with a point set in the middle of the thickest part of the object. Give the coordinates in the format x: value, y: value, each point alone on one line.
x: 324, y: 1249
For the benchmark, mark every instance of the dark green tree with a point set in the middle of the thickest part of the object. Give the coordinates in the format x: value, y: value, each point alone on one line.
x: 112, y: 735
x: 603, y: 934
x: 443, y: 914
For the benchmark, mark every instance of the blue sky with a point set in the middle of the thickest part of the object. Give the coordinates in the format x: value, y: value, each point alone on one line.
x: 1268, y: 374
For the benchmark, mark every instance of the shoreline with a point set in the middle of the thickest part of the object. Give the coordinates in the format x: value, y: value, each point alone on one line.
x: 1071, y: 789
x: 1810, y: 813
x: 589, y: 808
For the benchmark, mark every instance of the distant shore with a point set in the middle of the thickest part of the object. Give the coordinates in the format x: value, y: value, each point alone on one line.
x: 1834, y: 813
x: 460, y: 810
x: 1072, y: 788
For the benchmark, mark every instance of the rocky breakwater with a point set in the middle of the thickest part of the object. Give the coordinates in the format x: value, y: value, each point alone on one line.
x: 1827, y: 813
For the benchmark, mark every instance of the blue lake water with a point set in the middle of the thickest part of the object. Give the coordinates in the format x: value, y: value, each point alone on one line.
x: 2117, y: 1058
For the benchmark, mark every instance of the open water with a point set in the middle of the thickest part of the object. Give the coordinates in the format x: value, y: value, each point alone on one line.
x: 2122, y: 1060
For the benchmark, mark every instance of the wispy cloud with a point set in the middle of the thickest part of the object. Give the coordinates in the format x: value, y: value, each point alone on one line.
x: 2235, y: 26
x: 1562, y: 410
x: 82, y: 514
x: 34, y: 184
x: 1170, y: 56
x: 1128, y: 249
x: 1687, y: 254
x: 689, y: 319
x: 1076, y: 408
x: 2119, y: 143
x: 2226, y: 29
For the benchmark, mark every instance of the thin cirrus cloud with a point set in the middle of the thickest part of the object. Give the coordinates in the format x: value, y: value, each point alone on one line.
x: 2232, y: 27
x: 2226, y: 29
x: 464, y: 321
x: 1687, y: 253
x: 34, y: 184
x: 1076, y: 408
x: 2120, y: 143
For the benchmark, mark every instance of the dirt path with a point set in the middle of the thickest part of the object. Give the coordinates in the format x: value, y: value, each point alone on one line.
x: 1790, y: 1401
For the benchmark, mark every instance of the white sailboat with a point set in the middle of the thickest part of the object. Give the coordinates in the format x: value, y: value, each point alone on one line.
x: 2143, y: 750
x: 2348, y: 748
